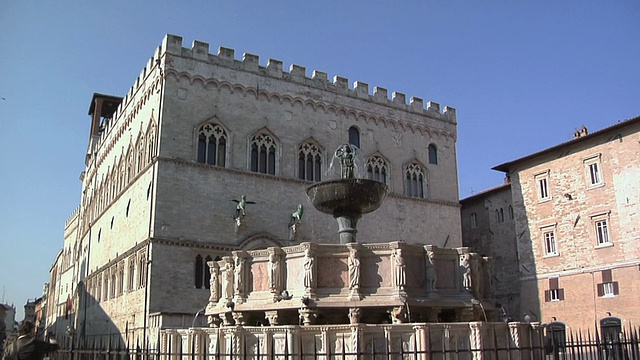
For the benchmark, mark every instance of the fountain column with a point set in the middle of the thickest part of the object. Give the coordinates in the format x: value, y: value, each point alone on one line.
x: 347, y: 227
x: 348, y: 197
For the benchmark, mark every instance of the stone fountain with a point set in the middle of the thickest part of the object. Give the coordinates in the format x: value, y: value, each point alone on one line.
x: 348, y: 197
x: 349, y: 283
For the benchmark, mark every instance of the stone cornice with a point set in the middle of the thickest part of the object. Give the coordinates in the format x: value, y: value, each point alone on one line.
x: 291, y: 180
x: 580, y: 271
x: 193, y: 244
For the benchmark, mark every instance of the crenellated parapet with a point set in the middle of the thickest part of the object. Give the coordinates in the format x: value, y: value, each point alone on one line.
x: 149, y: 82
x: 225, y: 57
x: 72, y: 217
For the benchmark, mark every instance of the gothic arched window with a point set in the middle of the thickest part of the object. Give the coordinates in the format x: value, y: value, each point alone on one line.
x: 414, y: 181
x: 130, y: 164
x: 377, y: 169
x: 433, y: 154
x: 212, y: 145
x: 207, y: 272
x: 354, y: 136
x: 309, y: 162
x: 151, y: 144
x: 142, y: 270
x: 121, y: 278
x: 106, y: 285
x: 112, y: 288
x: 199, y: 272
x: 140, y: 148
x: 263, y: 154
x: 132, y: 271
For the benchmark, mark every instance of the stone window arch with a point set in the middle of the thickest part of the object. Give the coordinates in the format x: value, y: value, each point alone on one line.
x: 377, y: 169
x: 212, y: 144
x: 113, y: 179
x: 98, y: 285
x: 132, y: 269
x: 105, y: 287
x: 207, y: 272
x: 142, y: 270
x: 202, y: 272
x: 433, y: 154
x: 309, y: 161
x: 354, y: 136
x: 130, y: 164
x: 140, y: 147
x: 263, y: 153
x: 151, y: 142
x: 121, y: 174
x: 121, y: 278
x: 474, y: 220
x: 415, y: 181
x: 260, y: 241
x: 199, y: 272
x: 114, y: 279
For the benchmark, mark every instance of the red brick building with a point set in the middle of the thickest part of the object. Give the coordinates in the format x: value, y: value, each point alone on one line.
x: 577, y: 228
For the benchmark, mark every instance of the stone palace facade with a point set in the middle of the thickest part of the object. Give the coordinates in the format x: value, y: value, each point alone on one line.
x: 197, y: 133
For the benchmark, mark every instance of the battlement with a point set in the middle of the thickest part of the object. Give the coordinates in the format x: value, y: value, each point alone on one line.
x: 172, y: 44
x: 72, y: 217
x: 199, y: 51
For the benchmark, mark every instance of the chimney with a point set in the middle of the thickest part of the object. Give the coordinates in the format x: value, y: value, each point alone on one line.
x: 580, y: 133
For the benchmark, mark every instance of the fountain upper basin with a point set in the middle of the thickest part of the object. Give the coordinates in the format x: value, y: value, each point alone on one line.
x: 347, y: 196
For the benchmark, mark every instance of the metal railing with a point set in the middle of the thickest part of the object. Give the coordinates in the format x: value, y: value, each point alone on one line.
x: 577, y: 345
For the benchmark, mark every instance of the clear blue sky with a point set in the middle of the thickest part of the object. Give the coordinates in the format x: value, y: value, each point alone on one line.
x: 523, y: 75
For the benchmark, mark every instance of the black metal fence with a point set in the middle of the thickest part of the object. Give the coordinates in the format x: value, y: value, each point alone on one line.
x: 625, y: 345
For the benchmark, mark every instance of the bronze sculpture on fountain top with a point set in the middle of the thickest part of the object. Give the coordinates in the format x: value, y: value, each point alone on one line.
x: 348, y: 197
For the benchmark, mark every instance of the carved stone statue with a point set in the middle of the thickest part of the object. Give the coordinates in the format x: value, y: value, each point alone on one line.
x: 274, y: 273
x: 309, y: 270
x: 227, y: 281
x: 400, y: 275
x: 398, y: 315
x: 488, y: 273
x: 346, y: 154
x: 432, y: 277
x: 214, y: 283
x: 465, y: 264
x: 239, y: 275
x: 476, y: 278
x: 354, y: 269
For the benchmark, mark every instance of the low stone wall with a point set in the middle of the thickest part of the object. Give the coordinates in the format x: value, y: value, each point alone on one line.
x: 425, y: 340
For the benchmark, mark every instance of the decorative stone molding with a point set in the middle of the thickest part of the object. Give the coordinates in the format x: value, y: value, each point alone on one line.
x: 331, y: 278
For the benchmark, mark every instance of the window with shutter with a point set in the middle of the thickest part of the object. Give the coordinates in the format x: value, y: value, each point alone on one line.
x: 608, y: 287
x: 555, y: 293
